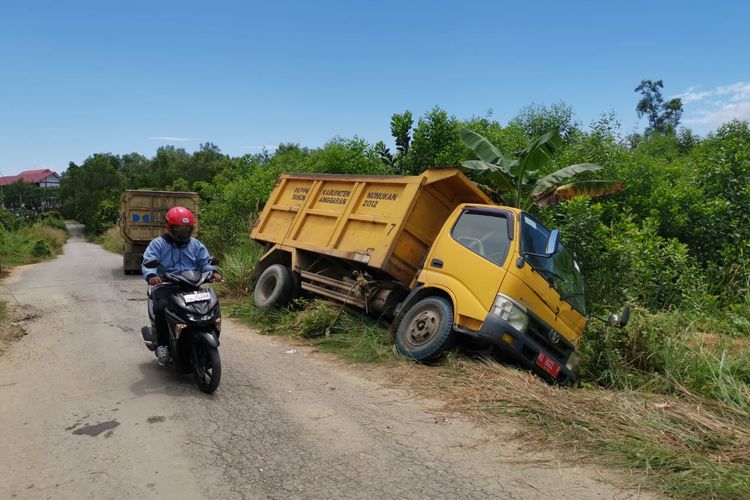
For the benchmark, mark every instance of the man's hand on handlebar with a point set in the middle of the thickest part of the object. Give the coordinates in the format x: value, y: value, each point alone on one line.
x: 154, y: 281
x: 218, y: 277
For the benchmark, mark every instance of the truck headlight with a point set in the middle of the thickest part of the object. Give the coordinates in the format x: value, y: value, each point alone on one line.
x: 573, y: 360
x: 507, y: 309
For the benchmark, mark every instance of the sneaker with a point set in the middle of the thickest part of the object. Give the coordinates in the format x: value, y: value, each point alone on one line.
x: 162, y: 353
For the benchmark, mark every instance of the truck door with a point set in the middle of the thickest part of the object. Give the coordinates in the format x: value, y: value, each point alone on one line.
x: 470, y: 259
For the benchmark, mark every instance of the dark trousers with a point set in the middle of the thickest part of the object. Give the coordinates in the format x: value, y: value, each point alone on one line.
x: 159, y: 301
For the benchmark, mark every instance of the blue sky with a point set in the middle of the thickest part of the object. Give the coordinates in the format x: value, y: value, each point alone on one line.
x: 103, y: 76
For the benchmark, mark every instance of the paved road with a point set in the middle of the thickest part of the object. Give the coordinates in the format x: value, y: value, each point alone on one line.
x: 87, y: 413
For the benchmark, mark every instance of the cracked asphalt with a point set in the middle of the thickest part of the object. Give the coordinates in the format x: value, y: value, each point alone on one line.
x: 87, y: 413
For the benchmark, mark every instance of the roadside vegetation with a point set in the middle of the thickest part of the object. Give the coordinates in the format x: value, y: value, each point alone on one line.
x: 28, y: 236
x: 661, y: 222
x: 111, y: 240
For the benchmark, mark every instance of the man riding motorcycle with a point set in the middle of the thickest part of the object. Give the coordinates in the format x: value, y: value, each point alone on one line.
x: 177, y: 252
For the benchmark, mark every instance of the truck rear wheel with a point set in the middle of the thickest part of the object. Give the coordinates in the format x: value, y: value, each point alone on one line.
x: 275, y: 287
x: 426, y: 330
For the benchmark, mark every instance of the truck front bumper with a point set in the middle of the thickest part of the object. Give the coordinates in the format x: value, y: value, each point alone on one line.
x: 523, y: 349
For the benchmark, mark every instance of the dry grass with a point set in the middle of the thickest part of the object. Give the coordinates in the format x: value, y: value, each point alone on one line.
x: 53, y: 236
x: 111, y: 240
x: 687, y: 446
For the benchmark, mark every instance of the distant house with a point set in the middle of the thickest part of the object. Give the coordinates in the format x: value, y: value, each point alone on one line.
x: 43, y: 178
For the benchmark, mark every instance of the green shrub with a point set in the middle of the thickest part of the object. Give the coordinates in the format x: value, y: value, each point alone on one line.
x: 666, y: 351
x: 52, y: 219
x: 41, y: 249
x: 237, y: 265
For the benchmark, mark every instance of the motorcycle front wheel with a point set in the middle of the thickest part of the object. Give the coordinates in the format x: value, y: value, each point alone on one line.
x: 206, y: 367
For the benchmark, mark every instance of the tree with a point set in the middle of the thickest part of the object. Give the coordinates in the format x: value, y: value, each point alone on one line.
x: 521, y: 176
x: 22, y: 195
x: 434, y: 142
x: 663, y: 117
x: 536, y: 119
x: 401, y: 125
x: 83, y: 188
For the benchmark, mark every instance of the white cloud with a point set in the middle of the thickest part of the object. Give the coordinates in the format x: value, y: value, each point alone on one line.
x: 711, y: 108
x: 692, y: 94
x: 169, y: 138
x: 715, y: 117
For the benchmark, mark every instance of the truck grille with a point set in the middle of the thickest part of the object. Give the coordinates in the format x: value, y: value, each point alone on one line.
x: 542, y: 334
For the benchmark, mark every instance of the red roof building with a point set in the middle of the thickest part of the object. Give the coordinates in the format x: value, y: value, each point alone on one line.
x: 42, y: 177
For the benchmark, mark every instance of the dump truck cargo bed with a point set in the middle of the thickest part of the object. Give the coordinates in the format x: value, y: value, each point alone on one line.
x: 385, y: 222
x: 142, y: 212
x: 142, y: 219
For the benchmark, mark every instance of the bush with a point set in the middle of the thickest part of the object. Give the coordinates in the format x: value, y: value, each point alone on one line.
x: 29, y: 243
x: 54, y: 220
x: 41, y: 249
x: 237, y: 266
x: 666, y: 351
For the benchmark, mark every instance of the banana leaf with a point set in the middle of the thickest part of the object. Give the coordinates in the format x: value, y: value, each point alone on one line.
x: 548, y: 182
x: 582, y: 188
x: 481, y: 147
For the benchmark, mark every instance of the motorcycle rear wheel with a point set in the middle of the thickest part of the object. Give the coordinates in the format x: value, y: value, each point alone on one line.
x: 206, y: 367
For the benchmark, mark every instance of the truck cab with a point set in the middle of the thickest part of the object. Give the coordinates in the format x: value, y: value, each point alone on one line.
x: 510, y: 282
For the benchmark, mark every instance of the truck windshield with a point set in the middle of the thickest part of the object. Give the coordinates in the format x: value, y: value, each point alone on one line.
x: 560, y: 269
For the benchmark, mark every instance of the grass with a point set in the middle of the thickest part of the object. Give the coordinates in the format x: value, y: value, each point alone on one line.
x: 236, y: 267
x: 30, y: 244
x: 111, y: 240
x: 685, y: 445
x: 330, y: 327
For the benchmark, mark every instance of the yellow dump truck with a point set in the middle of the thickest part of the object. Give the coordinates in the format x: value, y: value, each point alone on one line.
x: 142, y: 219
x: 433, y: 255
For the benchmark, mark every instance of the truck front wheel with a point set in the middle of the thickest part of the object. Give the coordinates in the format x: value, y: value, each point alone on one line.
x: 275, y: 287
x: 426, y: 330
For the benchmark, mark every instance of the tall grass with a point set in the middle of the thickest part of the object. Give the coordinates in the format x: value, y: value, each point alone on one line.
x: 236, y: 267
x: 111, y: 240
x: 30, y: 244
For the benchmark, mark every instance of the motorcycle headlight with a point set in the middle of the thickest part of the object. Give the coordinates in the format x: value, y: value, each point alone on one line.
x: 507, y: 309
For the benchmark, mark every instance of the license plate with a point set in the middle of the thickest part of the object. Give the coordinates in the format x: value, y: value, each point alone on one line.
x: 197, y: 297
x: 548, y: 364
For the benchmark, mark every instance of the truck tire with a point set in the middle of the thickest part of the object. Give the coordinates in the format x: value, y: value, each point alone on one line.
x: 426, y: 330
x: 275, y: 287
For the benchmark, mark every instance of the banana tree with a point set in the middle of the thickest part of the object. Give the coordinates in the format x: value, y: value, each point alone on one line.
x: 520, y: 176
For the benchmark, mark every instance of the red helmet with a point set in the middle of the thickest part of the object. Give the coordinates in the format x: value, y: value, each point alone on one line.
x: 180, y: 216
x: 180, y: 222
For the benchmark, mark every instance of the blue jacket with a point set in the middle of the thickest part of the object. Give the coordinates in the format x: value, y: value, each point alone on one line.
x: 193, y: 256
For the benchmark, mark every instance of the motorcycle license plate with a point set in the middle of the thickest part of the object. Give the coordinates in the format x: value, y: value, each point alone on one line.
x: 197, y: 297
x: 548, y: 364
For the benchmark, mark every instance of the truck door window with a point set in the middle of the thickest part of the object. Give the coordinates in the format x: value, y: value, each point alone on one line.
x: 484, y: 234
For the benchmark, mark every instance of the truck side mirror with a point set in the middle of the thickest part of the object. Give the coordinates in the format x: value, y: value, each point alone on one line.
x: 625, y: 317
x: 151, y: 264
x: 552, y: 241
x: 620, y: 321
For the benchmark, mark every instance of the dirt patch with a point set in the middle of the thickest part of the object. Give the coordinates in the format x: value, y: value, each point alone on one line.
x: 13, y: 324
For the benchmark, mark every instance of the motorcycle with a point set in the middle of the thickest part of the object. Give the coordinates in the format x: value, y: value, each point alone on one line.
x: 193, y: 320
